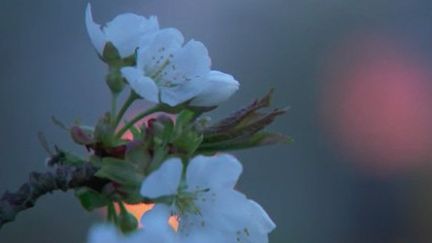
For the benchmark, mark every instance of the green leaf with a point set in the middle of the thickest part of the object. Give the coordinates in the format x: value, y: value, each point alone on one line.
x: 187, y: 142
x: 104, y: 131
x: 184, y: 118
x: 239, y: 116
x: 139, y: 156
x: 255, y: 140
x: 136, y: 133
x: 110, y: 54
x: 250, y: 125
x: 91, y: 199
x: 119, y: 171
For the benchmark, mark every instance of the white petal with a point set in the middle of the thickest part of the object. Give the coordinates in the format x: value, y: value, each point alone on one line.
x: 156, y: 217
x: 126, y: 31
x: 204, y: 235
x: 219, y: 88
x: 236, y: 216
x: 214, y: 172
x: 156, y: 49
x: 163, y: 181
x: 263, y: 220
x: 107, y: 233
x: 104, y: 233
x: 97, y: 37
x: 192, y: 64
x: 156, y: 226
x: 143, y: 86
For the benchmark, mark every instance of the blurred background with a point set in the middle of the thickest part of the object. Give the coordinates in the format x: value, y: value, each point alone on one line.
x: 356, y: 74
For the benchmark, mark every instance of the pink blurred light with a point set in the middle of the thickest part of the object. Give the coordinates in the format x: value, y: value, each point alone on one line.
x: 376, y: 104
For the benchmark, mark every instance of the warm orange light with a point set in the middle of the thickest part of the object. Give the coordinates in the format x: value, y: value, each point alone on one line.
x: 174, y: 222
x: 138, y: 210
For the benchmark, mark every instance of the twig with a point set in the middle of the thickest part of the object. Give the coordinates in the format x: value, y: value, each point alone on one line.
x: 63, y: 178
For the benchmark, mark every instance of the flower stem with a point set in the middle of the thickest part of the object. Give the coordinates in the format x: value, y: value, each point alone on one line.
x: 113, y: 107
x: 112, y: 215
x: 131, y: 99
x: 136, y: 119
x: 122, y: 207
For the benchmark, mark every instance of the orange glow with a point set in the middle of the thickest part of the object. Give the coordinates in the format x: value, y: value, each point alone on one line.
x: 174, y: 222
x: 376, y: 104
x: 138, y: 210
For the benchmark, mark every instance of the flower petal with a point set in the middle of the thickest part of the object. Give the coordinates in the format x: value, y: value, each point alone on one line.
x: 97, y: 37
x: 214, y: 172
x: 156, y: 226
x: 157, y: 216
x: 264, y: 222
x: 219, y: 88
x: 163, y: 181
x: 155, y: 50
x: 104, y: 233
x: 108, y: 233
x: 188, y: 78
x: 143, y: 86
x: 126, y: 31
x: 234, y: 215
x: 204, y: 235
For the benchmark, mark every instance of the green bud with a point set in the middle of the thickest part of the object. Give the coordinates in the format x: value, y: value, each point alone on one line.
x: 126, y: 221
x: 104, y: 131
x: 115, y: 81
x: 111, y: 55
x: 82, y: 135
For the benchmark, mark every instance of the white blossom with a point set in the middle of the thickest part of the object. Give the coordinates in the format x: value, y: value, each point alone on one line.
x: 208, y: 207
x: 125, y: 32
x: 220, y: 87
x: 168, y: 71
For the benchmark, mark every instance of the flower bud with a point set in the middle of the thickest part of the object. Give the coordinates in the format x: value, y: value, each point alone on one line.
x: 82, y: 135
x: 127, y: 222
x: 220, y: 87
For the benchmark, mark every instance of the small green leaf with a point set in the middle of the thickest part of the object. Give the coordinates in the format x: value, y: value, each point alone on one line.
x: 136, y: 133
x: 110, y: 54
x: 139, y: 156
x: 91, y: 199
x: 184, y: 118
x: 188, y: 142
x: 119, y: 171
x: 104, y: 131
x: 258, y: 139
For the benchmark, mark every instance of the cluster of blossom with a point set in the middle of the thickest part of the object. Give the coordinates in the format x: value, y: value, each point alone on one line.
x: 199, y: 190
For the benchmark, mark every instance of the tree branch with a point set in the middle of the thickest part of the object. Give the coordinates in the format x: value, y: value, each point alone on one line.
x: 63, y: 178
